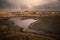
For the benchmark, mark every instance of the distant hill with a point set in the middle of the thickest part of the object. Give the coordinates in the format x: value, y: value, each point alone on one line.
x: 28, y: 13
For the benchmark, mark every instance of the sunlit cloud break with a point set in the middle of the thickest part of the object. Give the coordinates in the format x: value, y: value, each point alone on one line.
x: 33, y: 4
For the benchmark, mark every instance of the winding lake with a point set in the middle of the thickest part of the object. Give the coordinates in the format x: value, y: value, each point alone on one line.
x: 23, y: 23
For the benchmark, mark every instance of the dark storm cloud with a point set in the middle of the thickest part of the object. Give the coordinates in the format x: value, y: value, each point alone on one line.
x: 29, y: 4
x: 4, y: 4
x: 49, y: 6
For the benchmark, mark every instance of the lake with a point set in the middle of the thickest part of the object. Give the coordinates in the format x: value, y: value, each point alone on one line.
x: 23, y: 23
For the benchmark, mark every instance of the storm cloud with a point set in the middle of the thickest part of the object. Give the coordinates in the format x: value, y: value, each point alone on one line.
x: 30, y: 4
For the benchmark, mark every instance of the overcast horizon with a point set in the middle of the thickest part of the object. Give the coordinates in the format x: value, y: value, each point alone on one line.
x: 30, y: 5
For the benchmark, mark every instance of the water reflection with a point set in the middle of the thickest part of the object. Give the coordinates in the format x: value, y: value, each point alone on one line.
x: 23, y: 23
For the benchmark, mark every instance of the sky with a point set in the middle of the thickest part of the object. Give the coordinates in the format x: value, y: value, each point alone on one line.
x: 30, y: 4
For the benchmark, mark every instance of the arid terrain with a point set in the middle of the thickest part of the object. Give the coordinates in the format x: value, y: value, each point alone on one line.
x: 29, y: 25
